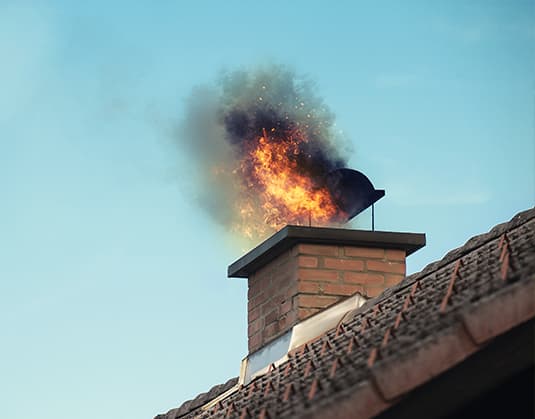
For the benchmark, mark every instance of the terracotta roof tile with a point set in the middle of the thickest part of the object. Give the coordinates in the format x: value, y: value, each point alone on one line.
x: 411, y: 333
x: 198, y: 401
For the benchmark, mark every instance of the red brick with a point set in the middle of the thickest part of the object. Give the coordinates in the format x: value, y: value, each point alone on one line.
x: 316, y: 301
x: 278, y: 292
x: 310, y: 287
x: 258, y: 300
x: 395, y: 255
x: 255, y: 342
x: 270, y: 330
x: 255, y: 326
x: 390, y: 267
x: 316, y: 249
x: 341, y: 289
x: 262, y: 274
x: 286, y: 306
x: 372, y: 291
x: 254, y: 278
x: 391, y: 279
x: 271, y: 316
x: 364, y: 252
x: 256, y: 289
x: 281, y: 296
x: 290, y: 291
x: 267, y: 307
x: 307, y: 261
x: 304, y: 313
x: 278, y: 297
x: 344, y: 264
x: 317, y: 275
x: 364, y: 278
x: 285, y: 270
x: 287, y: 321
x: 278, y: 287
x: 281, y: 259
x: 253, y: 314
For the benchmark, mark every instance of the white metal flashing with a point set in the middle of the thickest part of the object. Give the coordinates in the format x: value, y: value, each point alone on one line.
x: 276, y: 352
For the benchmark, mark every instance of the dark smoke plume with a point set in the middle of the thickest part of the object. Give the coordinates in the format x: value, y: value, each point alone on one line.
x: 223, y: 123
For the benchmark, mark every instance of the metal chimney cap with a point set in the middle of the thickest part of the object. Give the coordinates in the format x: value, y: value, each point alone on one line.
x: 352, y: 191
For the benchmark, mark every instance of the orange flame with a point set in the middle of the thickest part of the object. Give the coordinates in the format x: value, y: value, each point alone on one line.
x: 277, y: 193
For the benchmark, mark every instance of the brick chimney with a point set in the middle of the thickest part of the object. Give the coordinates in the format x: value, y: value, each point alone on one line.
x: 300, y: 271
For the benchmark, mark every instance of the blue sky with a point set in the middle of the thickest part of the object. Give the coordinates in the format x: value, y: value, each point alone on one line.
x: 114, y: 301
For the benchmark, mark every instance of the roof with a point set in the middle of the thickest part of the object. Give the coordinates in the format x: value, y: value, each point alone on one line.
x: 199, y: 401
x: 381, y: 353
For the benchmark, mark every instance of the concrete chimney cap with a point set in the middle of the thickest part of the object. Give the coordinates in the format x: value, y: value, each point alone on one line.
x: 291, y: 235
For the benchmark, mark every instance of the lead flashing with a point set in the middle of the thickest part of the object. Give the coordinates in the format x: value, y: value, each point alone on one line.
x: 291, y: 235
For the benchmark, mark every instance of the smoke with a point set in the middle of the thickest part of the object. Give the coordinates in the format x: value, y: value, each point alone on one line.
x: 223, y: 124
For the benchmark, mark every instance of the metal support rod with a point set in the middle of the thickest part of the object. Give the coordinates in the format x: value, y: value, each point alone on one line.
x: 373, y: 217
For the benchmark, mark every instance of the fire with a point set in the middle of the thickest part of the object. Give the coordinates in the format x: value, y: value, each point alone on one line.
x: 277, y: 190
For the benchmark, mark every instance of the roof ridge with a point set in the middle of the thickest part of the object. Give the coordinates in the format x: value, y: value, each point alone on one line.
x: 470, y: 245
x: 473, y: 243
x: 198, y: 401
